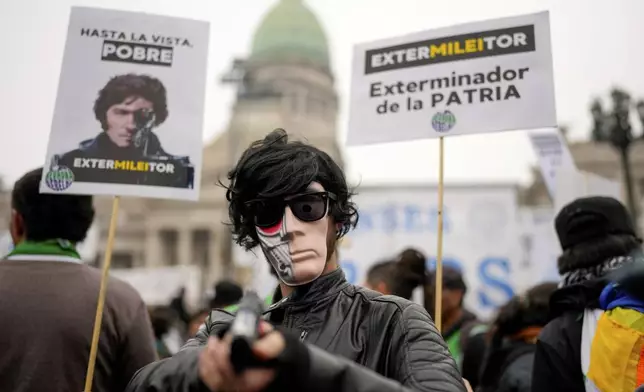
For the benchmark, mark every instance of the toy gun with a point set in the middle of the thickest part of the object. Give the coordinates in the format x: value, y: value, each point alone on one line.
x: 143, y: 121
x: 245, y: 331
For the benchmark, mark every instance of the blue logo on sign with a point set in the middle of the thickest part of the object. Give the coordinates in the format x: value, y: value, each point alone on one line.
x: 443, y: 121
x: 59, y: 178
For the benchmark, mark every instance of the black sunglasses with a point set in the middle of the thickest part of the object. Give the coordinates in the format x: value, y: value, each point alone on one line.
x: 307, y: 207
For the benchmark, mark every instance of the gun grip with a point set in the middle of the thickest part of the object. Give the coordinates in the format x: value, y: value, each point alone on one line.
x: 243, y: 358
x: 241, y: 354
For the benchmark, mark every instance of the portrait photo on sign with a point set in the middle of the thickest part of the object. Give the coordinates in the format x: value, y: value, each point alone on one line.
x: 128, y: 118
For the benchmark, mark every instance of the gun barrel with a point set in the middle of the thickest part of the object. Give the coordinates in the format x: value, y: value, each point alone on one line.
x: 245, y: 331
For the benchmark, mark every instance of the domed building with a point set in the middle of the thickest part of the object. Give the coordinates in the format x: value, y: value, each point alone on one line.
x: 286, y: 82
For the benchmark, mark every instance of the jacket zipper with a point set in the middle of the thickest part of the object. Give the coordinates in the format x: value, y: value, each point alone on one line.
x: 303, y: 335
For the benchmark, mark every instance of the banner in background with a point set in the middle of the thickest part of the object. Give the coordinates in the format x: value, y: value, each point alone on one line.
x: 128, y: 119
x: 572, y: 184
x: 480, y: 235
x: 488, y: 76
x: 158, y: 286
x: 539, y: 245
x: 553, y: 155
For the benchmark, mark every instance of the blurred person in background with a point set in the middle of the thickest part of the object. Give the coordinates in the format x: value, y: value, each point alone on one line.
x: 292, y: 200
x: 408, y: 272
x: 399, y: 277
x: 381, y: 277
x: 196, y: 321
x: 162, y: 318
x: 597, y: 237
x: 227, y: 293
x: 48, y: 302
x: 510, y: 355
x: 461, y: 329
x: 178, y: 305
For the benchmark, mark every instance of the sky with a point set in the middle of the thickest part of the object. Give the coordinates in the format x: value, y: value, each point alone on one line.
x: 595, y: 46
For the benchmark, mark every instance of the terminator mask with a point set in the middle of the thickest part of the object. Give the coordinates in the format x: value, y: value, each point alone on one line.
x: 293, y: 232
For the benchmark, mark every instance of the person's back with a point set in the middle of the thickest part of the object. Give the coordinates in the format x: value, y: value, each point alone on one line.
x: 48, y: 303
x: 597, y: 237
x: 510, y: 355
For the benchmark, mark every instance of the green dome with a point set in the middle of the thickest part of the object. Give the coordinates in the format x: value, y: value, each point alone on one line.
x: 290, y: 30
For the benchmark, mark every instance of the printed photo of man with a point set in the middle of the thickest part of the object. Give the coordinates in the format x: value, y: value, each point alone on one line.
x: 128, y: 151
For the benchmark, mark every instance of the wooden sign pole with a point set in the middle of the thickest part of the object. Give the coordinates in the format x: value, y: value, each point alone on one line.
x: 101, y: 295
x: 438, y: 305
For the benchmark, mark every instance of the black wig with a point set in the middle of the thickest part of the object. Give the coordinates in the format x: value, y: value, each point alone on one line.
x: 276, y: 167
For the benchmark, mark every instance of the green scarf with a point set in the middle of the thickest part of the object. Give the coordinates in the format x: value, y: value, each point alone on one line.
x: 268, y: 301
x: 56, y: 247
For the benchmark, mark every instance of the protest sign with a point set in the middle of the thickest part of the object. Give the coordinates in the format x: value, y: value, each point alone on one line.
x: 132, y: 87
x: 129, y: 111
x: 478, y: 77
x: 473, y: 78
x: 553, y: 155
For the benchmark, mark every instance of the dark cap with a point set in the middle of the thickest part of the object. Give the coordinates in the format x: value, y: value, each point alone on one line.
x: 452, y: 279
x: 226, y: 293
x: 590, y: 218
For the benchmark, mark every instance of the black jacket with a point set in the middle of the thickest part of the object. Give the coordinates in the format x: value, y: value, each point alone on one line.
x: 357, y: 340
x: 557, y: 361
x: 93, y: 155
x: 472, y: 345
x: 508, y: 368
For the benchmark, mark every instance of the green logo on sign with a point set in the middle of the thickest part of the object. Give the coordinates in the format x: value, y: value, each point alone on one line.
x: 59, y: 179
x: 443, y: 121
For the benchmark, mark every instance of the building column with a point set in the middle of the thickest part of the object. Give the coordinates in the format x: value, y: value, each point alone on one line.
x: 217, y: 254
x: 152, y: 248
x: 185, y: 247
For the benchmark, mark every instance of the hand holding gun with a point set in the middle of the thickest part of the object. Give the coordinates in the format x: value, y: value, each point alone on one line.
x: 252, y: 355
x: 245, y: 331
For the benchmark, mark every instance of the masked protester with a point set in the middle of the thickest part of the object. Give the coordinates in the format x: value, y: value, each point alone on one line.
x: 292, y: 200
x: 597, y: 237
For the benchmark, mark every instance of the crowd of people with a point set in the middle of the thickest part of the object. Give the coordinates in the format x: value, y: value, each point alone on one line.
x: 318, y: 332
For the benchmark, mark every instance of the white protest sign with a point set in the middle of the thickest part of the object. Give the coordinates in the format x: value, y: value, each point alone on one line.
x: 128, y: 118
x: 575, y: 184
x: 553, y: 154
x: 478, y: 77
